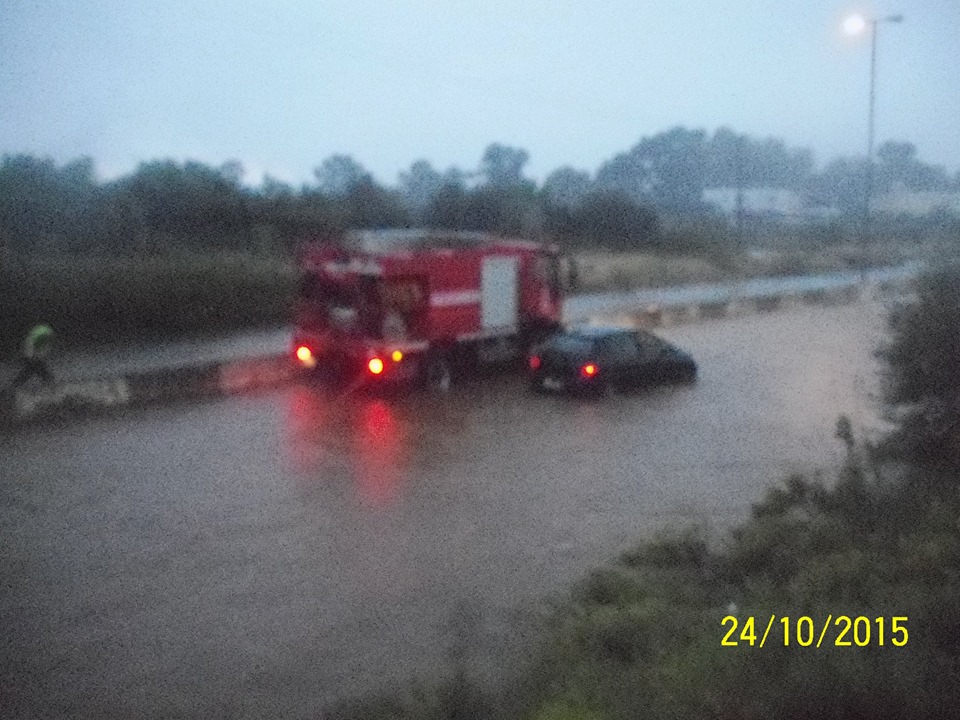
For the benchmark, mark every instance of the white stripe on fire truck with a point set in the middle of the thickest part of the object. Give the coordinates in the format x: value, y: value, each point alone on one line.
x: 454, y: 297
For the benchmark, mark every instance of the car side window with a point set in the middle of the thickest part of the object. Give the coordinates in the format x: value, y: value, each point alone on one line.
x: 619, y: 349
x: 649, y: 347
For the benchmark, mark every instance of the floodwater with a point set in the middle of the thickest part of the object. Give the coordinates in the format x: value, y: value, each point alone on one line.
x: 263, y: 555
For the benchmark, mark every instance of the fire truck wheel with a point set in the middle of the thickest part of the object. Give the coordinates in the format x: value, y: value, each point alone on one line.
x: 438, y: 376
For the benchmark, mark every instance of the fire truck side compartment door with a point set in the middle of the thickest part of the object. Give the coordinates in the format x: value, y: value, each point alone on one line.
x: 498, y: 292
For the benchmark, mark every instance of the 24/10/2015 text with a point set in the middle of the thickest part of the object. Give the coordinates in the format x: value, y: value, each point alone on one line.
x: 847, y: 631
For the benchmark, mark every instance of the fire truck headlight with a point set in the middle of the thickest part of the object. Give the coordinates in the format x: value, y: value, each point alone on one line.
x: 305, y: 356
x: 375, y: 366
x: 397, y: 356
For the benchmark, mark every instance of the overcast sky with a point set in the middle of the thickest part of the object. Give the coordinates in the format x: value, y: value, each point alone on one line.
x: 282, y: 84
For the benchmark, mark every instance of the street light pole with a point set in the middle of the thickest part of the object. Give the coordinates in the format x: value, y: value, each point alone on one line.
x: 868, y: 184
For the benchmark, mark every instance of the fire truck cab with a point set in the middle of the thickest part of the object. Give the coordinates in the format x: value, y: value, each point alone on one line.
x: 401, y: 305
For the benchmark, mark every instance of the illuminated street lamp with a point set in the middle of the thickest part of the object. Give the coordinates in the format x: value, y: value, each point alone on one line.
x: 854, y: 25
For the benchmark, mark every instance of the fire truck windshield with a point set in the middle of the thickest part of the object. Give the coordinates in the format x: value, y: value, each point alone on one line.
x: 342, y: 317
x: 338, y: 306
x: 365, y: 307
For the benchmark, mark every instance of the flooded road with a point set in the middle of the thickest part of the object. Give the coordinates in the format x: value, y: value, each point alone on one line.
x: 262, y: 555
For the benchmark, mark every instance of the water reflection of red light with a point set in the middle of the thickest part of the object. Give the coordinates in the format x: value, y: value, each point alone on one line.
x: 305, y: 407
x: 378, y: 449
x: 306, y: 427
x: 377, y: 419
x: 334, y: 438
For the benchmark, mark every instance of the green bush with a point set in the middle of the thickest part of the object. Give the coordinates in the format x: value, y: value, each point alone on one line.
x: 90, y: 299
x: 610, y: 586
x: 921, y: 374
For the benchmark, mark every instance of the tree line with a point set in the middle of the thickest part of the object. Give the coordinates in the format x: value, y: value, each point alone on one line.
x: 46, y: 207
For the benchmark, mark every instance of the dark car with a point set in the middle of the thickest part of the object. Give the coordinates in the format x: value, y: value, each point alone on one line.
x: 601, y: 359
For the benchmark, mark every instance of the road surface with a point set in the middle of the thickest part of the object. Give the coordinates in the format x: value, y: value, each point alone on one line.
x: 260, y: 556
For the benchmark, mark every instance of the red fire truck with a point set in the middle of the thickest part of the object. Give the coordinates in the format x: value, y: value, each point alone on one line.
x: 406, y: 305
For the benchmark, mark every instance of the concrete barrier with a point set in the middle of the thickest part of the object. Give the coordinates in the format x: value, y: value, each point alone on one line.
x: 92, y: 396
x: 89, y: 395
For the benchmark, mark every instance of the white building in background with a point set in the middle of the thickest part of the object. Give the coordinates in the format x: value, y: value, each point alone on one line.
x: 916, y: 203
x: 790, y: 206
x: 755, y: 201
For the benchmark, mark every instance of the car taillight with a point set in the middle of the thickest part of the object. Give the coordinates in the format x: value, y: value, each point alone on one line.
x: 589, y: 370
x: 305, y: 355
x: 535, y: 362
x: 375, y: 366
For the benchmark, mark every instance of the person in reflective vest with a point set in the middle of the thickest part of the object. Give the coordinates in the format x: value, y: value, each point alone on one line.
x: 34, y: 354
